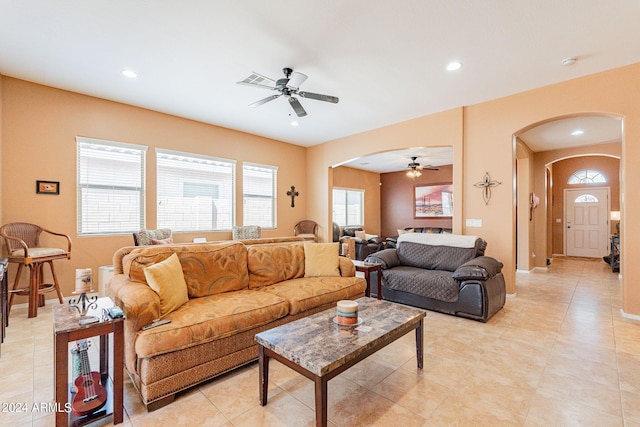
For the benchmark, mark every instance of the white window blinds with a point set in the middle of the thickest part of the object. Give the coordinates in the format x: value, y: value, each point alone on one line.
x: 110, y: 185
x: 259, y: 195
x: 195, y: 192
x: 348, y: 207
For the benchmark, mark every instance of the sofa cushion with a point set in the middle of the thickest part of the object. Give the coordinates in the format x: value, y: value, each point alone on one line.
x: 321, y: 260
x: 209, y: 318
x: 432, y: 257
x: 269, y: 264
x: 208, y: 268
x: 310, y: 292
x: 436, y: 284
x: 167, y: 280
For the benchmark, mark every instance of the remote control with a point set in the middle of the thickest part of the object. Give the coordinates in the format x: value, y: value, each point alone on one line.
x: 156, y: 323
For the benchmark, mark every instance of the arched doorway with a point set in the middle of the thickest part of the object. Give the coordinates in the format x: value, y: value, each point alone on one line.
x: 543, y: 146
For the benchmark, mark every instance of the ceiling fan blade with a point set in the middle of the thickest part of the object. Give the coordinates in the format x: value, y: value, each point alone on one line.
x: 264, y: 101
x: 296, y: 80
x: 297, y: 107
x: 431, y: 168
x: 319, y: 97
x: 258, y: 80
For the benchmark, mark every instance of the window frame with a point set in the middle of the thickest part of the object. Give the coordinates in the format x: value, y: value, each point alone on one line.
x: 361, y: 192
x: 81, y: 223
x: 273, y: 197
x: 231, y: 163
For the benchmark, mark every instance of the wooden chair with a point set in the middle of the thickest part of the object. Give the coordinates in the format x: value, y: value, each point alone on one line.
x: 306, y: 229
x: 22, y: 241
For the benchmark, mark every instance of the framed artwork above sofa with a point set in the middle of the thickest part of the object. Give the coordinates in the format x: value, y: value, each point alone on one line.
x: 433, y: 200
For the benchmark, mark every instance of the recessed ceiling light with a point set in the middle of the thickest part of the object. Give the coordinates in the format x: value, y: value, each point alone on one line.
x: 129, y: 73
x: 294, y: 124
x: 454, y: 66
x: 577, y: 132
x: 569, y: 61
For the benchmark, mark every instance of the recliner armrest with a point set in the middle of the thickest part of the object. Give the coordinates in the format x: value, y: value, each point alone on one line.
x: 377, y: 240
x: 480, y: 268
x: 387, y: 258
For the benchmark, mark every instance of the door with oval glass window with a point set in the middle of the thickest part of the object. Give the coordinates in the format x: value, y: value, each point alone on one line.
x: 586, y: 213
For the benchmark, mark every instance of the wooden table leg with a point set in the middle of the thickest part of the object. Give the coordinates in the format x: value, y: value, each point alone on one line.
x: 61, y: 377
x: 419, y: 343
x: 321, y: 401
x: 379, y: 274
x: 367, y: 278
x: 118, y: 372
x: 263, y: 374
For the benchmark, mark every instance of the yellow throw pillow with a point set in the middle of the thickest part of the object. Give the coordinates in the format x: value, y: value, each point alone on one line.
x: 361, y: 235
x: 321, y: 259
x: 167, y: 280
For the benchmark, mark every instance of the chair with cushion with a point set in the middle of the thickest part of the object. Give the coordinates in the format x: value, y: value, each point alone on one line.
x: 365, y: 244
x: 22, y: 241
x: 161, y: 236
x: 306, y: 229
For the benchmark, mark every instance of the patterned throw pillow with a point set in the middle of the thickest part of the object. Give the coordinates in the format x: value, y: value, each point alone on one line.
x: 145, y: 237
x: 242, y: 232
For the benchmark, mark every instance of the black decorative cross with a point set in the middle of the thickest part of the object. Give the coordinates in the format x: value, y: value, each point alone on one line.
x: 486, y: 185
x: 293, y: 193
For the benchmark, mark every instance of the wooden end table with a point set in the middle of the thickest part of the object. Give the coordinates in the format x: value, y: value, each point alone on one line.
x: 318, y: 348
x: 67, y: 328
x: 367, y: 268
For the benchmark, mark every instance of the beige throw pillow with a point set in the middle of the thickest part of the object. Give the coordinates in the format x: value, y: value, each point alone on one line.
x: 361, y: 235
x: 167, y: 280
x: 321, y: 259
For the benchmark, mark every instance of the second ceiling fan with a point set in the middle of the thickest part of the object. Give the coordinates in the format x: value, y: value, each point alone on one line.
x: 288, y: 87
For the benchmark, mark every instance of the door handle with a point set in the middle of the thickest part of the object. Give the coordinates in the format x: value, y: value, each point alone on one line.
x: 568, y: 226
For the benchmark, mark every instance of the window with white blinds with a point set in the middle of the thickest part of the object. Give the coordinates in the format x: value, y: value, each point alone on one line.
x: 259, y: 195
x: 348, y: 207
x: 110, y: 185
x: 195, y: 192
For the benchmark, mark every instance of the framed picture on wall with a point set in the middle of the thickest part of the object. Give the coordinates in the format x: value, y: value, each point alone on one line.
x: 47, y: 187
x: 433, y: 200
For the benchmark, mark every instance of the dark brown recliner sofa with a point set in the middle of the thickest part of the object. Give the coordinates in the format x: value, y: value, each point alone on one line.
x: 443, y: 272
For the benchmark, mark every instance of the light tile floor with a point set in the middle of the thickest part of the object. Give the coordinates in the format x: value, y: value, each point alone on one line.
x: 559, y: 354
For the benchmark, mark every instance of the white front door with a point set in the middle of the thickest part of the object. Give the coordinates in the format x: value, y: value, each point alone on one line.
x: 586, y: 213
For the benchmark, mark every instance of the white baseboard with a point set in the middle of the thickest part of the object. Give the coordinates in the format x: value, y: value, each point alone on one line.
x: 629, y: 316
x: 523, y: 271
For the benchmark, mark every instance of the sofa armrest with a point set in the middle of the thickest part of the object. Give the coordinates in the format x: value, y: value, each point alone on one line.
x: 376, y: 240
x: 347, y: 267
x: 388, y: 258
x: 480, y: 268
x: 141, y: 305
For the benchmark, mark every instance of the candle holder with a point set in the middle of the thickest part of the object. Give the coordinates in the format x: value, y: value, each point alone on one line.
x: 84, y: 303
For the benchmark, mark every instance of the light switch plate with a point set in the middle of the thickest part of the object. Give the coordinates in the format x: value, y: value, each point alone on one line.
x: 474, y: 222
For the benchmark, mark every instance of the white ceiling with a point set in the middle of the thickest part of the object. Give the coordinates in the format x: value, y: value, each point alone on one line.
x: 385, y: 60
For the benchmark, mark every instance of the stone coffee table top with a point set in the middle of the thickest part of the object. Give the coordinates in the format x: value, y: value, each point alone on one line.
x: 319, y: 345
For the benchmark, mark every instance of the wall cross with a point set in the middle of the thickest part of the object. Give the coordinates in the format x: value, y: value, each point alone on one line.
x: 486, y: 184
x: 293, y: 193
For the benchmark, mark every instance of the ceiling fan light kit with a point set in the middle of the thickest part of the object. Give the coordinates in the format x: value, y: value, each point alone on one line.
x: 414, y: 168
x: 288, y: 86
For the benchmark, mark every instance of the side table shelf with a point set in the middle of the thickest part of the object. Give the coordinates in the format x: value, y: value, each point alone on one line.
x: 367, y: 268
x: 67, y: 329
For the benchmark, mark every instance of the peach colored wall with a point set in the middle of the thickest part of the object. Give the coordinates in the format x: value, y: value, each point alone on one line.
x: 485, y: 133
x: 1, y: 154
x: 437, y: 130
x: 525, y: 219
x: 345, y: 177
x: 562, y: 170
x: 39, y: 129
x: 397, y: 197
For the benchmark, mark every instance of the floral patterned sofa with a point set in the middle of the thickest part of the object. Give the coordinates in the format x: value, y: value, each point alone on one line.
x: 234, y: 291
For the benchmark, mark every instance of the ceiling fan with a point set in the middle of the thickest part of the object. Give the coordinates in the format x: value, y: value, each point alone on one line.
x: 414, y: 168
x: 288, y: 87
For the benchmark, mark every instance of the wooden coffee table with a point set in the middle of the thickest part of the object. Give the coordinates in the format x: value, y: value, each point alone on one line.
x: 319, y: 349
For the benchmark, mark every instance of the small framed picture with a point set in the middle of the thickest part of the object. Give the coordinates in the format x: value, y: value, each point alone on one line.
x: 47, y: 187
